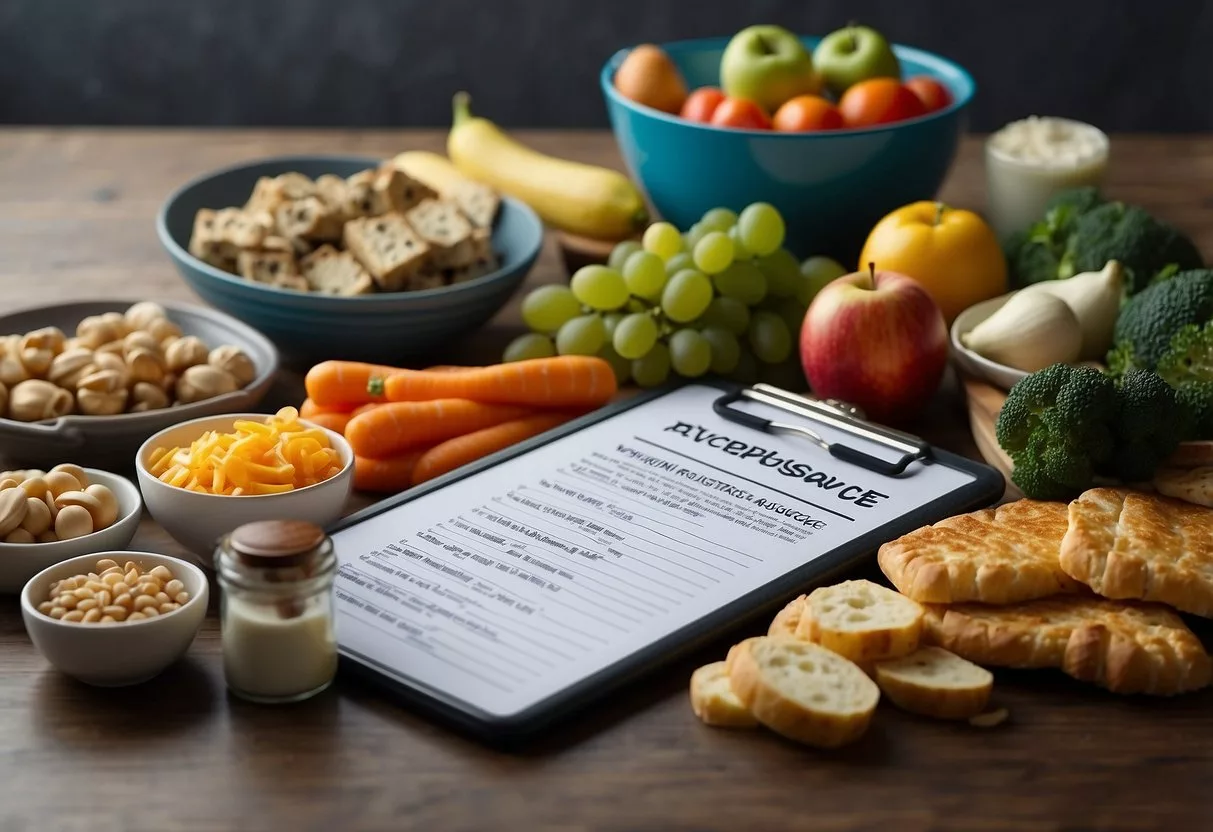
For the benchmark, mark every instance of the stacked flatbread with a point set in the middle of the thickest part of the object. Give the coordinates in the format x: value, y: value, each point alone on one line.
x: 1090, y: 587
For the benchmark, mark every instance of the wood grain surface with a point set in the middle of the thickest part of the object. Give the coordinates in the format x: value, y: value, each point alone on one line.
x: 76, y: 212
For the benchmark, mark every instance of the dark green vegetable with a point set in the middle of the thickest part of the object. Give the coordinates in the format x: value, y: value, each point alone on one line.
x: 1187, y: 366
x: 1058, y: 426
x: 1150, y: 320
x: 1144, y: 245
x: 1149, y: 423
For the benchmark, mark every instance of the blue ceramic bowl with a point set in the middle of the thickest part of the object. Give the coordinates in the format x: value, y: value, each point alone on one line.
x: 385, y: 328
x: 831, y: 187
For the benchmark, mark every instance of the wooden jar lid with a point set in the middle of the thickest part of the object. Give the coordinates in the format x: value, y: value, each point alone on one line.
x: 276, y: 543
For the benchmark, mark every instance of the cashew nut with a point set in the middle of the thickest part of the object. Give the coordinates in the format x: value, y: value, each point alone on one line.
x: 37, y: 361
x: 235, y: 361
x: 48, y: 338
x: 102, y: 381
x: 144, y: 365
x: 142, y: 314
x: 162, y: 329
x: 185, y: 352
x: 139, y: 340
x: 99, y: 403
x: 117, y: 321
x: 34, y: 399
x: 204, y: 382
x: 70, y: 366
x: 12, y: 371
x: 96, y: 330
x: 147, y: 396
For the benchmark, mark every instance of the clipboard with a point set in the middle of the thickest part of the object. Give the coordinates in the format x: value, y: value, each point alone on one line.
x: 423, y: 575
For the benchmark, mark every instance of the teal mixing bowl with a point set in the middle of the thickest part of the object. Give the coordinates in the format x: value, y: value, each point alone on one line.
x: 382, y: 328
x: 831, y: 187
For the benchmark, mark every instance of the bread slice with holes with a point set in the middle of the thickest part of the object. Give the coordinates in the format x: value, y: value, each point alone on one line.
x: 388, y: 248
x: 934, y: 682
x: 447, y: 231
x: 803, y: 691
x: 332, y: 272
x: 713, y: 700
x: 861, y: 621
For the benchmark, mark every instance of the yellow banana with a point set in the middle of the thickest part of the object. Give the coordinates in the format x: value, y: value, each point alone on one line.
x: 574, y: 197
x: 431, y: 169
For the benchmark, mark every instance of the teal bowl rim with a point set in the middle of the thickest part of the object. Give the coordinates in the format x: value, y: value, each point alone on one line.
x: 306, y: 298
x: 937, y: 64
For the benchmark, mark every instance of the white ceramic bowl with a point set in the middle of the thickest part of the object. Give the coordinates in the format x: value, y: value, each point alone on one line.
x: 114, y: 655
x: 197, y: 520
x: 21, y: 561
x: 1000, y: 375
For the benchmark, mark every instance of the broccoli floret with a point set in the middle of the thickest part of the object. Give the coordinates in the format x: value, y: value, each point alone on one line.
x: 1077, y: 200
x: 1150, y: 421
x: 1187, y: 366
x: 1057, y: 425
x: 1144, y: 245
x: 1150, y: 320
x: 1034, y: 255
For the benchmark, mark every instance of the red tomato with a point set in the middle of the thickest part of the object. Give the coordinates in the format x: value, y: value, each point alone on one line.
x: 933, y: 95
x: 700, y: 104
x: 807, y: 112
x: 878, y: 101
x: 741, y: 112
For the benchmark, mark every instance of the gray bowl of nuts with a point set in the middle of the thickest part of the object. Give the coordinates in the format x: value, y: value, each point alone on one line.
x: 90, y: 381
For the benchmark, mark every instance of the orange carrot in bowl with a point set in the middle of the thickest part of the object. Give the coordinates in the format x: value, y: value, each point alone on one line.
x: 336, y: 384
x: 390, y: 429
x: 395, y: 473
x: 562, y: 381
x: 453, y: 453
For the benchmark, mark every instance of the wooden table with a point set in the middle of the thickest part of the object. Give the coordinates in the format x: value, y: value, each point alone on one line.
x: 76, y: 211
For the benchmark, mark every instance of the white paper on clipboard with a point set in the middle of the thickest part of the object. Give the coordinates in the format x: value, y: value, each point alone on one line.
x: 508, y: 586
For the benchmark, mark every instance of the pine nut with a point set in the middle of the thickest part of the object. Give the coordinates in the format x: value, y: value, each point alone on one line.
x: 116, y: 612
x: 173, y: 587
x: 87, y: 604
x: 136, y: 616
x: 92, y: 615
x: 45, y: 607
x: 83, y: 592
x: 181, y: 597
x: 74, y: 615
x: 106, y: 596
x: 125, y: 600
x: 57, y: 612
x: 107, y: 564
x: 151, y: 612
x: 162, y: 573
x: 143, y: 602
x: 169, y: 607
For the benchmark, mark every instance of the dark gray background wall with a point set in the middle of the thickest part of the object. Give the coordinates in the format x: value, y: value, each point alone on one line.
x: 1126, y: 65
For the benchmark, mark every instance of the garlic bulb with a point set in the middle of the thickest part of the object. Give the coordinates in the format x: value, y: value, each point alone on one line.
x: 1094, y: 298
x: 1029, y: 332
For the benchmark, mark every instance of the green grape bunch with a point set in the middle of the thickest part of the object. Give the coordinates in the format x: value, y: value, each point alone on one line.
x: 723, y: 297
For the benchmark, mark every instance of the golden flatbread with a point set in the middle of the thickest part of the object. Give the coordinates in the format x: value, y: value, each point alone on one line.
x: 996, y: 556
x: 1192, y: 485
x: 1123, y: 647
x: 1129, y: 545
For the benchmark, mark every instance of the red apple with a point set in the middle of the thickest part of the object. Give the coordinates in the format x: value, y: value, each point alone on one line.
x: 875, y: 339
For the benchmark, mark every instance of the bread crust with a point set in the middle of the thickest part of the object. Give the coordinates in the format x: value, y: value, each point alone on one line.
x: 787, y: 619
x: 922, y: 694
x: 1129, y: 545
x: 1192, y: 485
x: 1122, y: 647
x: 716, y: 707
x: 996, y: 556
x: 795, y: 720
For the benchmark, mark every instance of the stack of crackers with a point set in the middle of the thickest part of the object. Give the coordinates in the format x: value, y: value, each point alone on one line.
x: 1093, y: 588
x: 378, y: 230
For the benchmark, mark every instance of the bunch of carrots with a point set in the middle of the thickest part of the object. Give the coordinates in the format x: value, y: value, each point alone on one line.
x: 410, y: 426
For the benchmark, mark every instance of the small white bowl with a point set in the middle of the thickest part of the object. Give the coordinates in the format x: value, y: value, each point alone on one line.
x: 1000, y: 375
x: 21, y: 561
x: 197, y: 520
x: 114, y: 655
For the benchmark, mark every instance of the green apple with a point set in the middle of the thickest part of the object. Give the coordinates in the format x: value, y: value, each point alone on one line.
x: 854, y: 54
x: 817, y: 271
x: 767, y: 65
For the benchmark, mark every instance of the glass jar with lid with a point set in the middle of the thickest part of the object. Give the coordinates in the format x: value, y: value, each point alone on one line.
x: 276, y: 610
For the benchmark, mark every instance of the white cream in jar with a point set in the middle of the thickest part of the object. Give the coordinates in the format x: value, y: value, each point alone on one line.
x: 276, y: 616
x: 1030, y: 160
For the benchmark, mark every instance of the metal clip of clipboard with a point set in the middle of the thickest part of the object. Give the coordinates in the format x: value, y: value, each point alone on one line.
x: 835, y: 414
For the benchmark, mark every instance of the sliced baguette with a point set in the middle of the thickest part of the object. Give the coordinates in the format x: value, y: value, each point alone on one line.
x: 787, y: 619
x: 934, y: 682
x: 714, y: 702
x: 733, y: 651
x: 803, y: 691
x: 861, y: 621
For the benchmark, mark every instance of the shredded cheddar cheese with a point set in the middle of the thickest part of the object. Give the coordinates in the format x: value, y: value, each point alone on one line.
x: 277, y: 455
